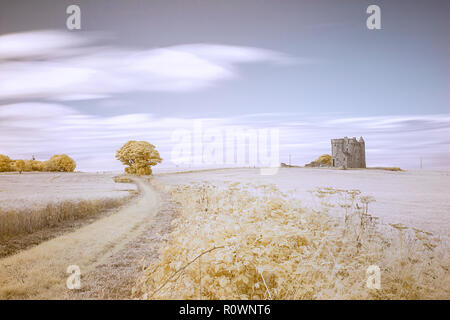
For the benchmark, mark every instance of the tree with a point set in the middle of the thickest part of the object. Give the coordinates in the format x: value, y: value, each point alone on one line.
x: 324, y: 159
x: 61, y: 163
x: 139, y: 156
x: 37, y: 165
x: 28, y: 165
x: 5, y: 163
x: 20, y: 165
x: 48, y: 166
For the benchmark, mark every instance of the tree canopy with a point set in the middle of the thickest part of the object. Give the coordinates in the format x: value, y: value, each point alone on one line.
x: 59, y: 162
x: 324, y: 159
x: 5, y: 163
x: 139, y: 156
x: 62, y: 163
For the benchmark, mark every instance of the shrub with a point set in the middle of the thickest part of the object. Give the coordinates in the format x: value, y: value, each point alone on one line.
x: 323, y: 161
x: 121, y: 179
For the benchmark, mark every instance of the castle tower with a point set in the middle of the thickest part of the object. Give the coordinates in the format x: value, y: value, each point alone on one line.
x: 362, y: 144
x: 348, y: 153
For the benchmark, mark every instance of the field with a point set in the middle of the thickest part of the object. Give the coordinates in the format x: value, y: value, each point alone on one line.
x: 415, y: 198
x: 35, y: 207
x: 303, y: 234
x: 38, y: 189
x: 106, y: 250
x: 299, y: 234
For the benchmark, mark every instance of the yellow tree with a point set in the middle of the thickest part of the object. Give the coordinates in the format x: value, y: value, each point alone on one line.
x: 37, y: 165
x: 324, y: 159
x: 28, y: 165
x: 139, y: 156
x: 20, y: 165
x: 5, y: 163
x: 48, y: 166
x: 62, y: 163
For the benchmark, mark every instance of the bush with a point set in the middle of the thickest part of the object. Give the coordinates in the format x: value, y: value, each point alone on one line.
x: 323, y: 161
x: 121, y: 179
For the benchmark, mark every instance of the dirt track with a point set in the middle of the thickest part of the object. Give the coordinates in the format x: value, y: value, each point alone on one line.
x: 97, y: 249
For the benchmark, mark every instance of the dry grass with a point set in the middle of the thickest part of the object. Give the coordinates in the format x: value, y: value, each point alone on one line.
x: 37, y: 189
x: 40, y: 272
x: 114, y: 279
x: 16, y: 222
x: 259, y: 243
x: 387, y: 168
x: 122, y: 179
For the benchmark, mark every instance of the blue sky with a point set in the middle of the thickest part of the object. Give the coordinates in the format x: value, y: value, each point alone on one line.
x: 309, y: 68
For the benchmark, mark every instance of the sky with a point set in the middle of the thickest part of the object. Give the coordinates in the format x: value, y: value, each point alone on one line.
x: 147, y: 70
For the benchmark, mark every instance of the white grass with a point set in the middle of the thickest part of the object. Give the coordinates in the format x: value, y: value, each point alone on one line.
x: 238, y: 242
x: 32, y: 190
x: 415, y: 198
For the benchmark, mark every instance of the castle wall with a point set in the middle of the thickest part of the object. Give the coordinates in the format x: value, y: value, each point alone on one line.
x: 338, y: 156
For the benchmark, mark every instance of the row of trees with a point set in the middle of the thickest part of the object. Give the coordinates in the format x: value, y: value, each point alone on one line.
x: 57, y: 163
x: 138, y: 156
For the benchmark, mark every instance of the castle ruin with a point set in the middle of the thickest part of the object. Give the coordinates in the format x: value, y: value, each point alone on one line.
x: 348, y: 153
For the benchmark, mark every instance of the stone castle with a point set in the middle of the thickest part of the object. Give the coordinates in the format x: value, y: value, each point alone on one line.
x: 348, y: 153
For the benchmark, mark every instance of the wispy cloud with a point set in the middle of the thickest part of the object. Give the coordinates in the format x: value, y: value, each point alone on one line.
x: 63, y: 66
x: 41, y: 44
x: 46, y: 129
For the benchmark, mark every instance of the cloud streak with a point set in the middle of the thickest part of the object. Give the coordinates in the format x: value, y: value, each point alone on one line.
x: 46, y: 129
x: 57, y: 65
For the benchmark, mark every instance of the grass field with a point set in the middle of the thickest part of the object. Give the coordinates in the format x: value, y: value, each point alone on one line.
x: 38, y: 189
x: 40, y: 272
x: 35, y: 207
x: 415, y: 198
x: 299, y: 234
x: 254, y: 241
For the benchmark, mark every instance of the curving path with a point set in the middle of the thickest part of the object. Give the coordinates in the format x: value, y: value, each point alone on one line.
x: 41, y: 272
